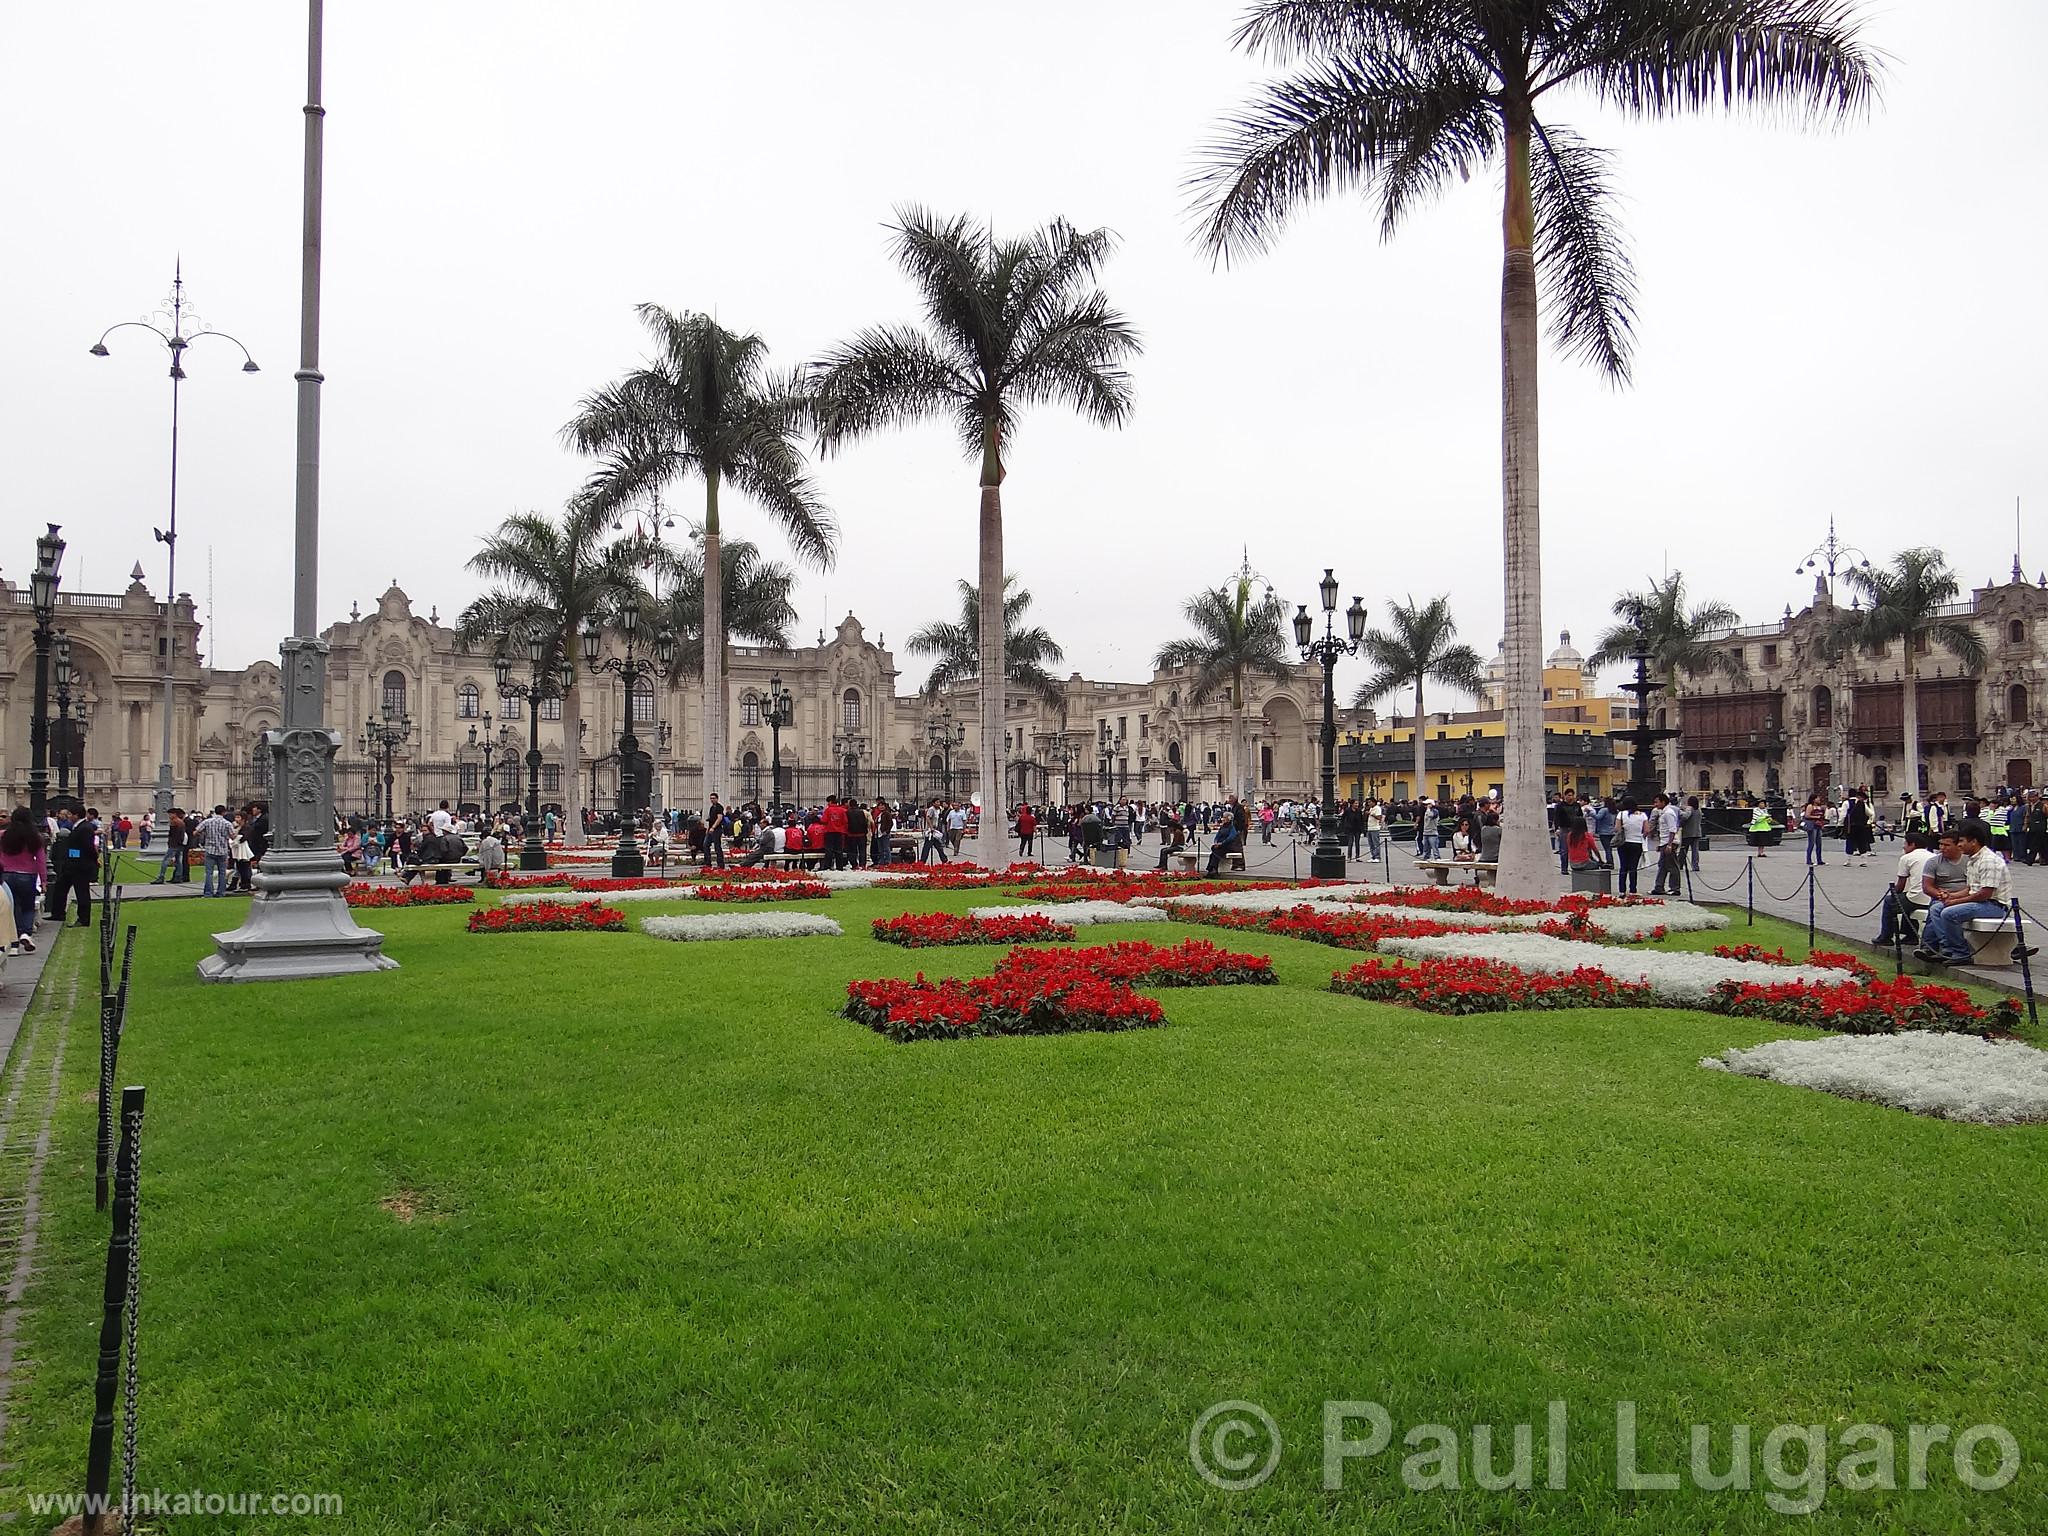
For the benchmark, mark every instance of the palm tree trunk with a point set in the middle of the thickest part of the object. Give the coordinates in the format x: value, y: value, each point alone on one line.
x: 1909, y: 716
x: 1241, y: 742
x: 991, y: 843
x: 716, y: 755
x: 1420, y: 745
x: 1671, y: 768
x: 572, y: 758
x: 1526, y: 867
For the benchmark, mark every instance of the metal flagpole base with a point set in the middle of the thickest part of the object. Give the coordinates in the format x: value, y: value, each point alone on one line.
x: 299, y: 926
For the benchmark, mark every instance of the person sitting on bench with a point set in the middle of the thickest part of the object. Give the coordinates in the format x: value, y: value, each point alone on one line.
x: 1905, y: 902
x: 1225, y: 842
x: 1986, y: 889
x: 1172, y: 838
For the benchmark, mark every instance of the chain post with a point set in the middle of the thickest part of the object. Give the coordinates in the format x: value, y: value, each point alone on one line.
x: 2024, y: 955
x: 114, y: 1296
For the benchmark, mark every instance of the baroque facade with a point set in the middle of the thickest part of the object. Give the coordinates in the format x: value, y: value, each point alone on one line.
x: 1799, y: 721
x: 852, y: 730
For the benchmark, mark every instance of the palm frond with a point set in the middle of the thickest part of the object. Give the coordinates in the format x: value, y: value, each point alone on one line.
x: 1659, y: 57
x: 1581, y: 254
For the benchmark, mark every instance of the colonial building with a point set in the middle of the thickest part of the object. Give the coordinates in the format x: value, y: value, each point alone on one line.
x: 853, y: 729
x: 1799, y: 720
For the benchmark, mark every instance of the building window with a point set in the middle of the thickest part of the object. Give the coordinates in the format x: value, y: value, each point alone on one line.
x: 466, y: 778
x: 849, y: 710
x: 1737, y: 782
x: 750, y: 709
x: 509, y: 706
x: 1880, y: 779
x: 902, y: 781
x: 1770, y: 655
x: 1706, y: 779
x: 1922, y: 643
x: 551, y: 709
x: 394, y: 694
x: 551, y: 778
x: 750, y: 775
x: 469, y: 702
x: 2016, y: 632
x: 2016, y: 704
x: 1966, y: 778
x: 1823, y: 708
x: 643, y: 703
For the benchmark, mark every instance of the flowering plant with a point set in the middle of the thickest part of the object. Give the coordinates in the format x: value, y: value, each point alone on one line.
x: 1832, y: 960
x: 548, y: 917
x: 766, y: 890
x: 597, y: 883
x: 919, y: 930
x: 361, y: 895
x: 505, y: 880
x: 1486, y: 986
x: 1867, y: 1007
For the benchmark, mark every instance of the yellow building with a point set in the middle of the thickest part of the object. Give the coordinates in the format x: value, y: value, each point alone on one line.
x: 1465, y: 750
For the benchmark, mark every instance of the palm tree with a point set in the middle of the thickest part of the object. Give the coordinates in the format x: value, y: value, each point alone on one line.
x: 1027, y: 652
x: 550, y: 574
x: 1419, y: 644
x: 1235, y: 638
x: 1401, y: 97
x: 1009, y: 323
x: 1680, y: 642
x: 707, y: 405
x: 756, y: 591
x: 1905, y: 602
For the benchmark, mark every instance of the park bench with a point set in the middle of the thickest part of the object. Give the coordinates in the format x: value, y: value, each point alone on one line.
x: 1194, y: 859
x: 1991, y: 941
x: 1440, y: 870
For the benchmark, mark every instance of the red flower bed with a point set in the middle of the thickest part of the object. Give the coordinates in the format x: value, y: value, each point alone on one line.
x: 1470, y: 898
x: 955, y: 877
x: 1577, y: 926
x: 1826, y: 959
x: 361, y: 895
x: 753, y: 874
x: 548, y: 917
x: 1345, y: 927
x: 766, y: 890
x: 601, y: 883
x: 1468, y: 985
x: 1123, y: 887
x: 505, y: 880
x: 921, y: 930
x: 1048, y: 991
x: 1868, y: 1007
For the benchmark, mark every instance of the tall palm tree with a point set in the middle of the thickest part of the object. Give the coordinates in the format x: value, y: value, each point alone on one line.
x: 1903, y: 602
x: 1679, y: 641
x: 1235, y: 638
x: 1419, y: 644
x: 1028, y: 651
x: 756, y: 599
x: 1008, y: 323
x: 1402, y: 96
x: 550, y: 573
x: 707, y: 405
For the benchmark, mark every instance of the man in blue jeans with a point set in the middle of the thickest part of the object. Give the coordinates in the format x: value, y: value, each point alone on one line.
x: 216, y: 838
x: 1987, y: 887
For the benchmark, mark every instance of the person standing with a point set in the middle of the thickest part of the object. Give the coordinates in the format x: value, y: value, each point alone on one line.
x: 148, y: 827
x: 856, y: 833
x: 1670, y: 844
x: 22, y: 867
x: 834, y: 819
x: 932, y: 850
x: 1815, y: 820
x: 1632, y: 835
x: 1027, y: 830
x: 1375, y: 829
x: 216, y: 839
x: 77, y: 857
x: 714, y: 834
x: 956, y: 827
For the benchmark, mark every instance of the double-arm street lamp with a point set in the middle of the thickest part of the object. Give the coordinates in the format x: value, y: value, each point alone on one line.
x: 176, y: 327
x: 627, y: 862
x: 63, y: 653
x: 495, y: 749
x: 1109, y: 748
x: 533, y: 853
x: 945, y: 733
x: 383, y: 735
x: 1327, y: 862
x: 781, y: 712
x: 42, y: 589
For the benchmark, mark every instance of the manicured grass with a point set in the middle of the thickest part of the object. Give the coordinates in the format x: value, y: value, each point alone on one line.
x: 688, y: 1252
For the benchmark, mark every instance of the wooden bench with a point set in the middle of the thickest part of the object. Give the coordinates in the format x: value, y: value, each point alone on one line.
x: 444, y: 873
x: 1440, y: 870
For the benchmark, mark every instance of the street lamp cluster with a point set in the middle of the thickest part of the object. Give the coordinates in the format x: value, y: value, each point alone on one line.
x: 780, y: 712
x: 42, y: 588
x: 945, y: 733
x: 382, y: 736
x: 1327, y: 862
x: 533, y: 853
x: 627, y: 861
x: 70, y: 730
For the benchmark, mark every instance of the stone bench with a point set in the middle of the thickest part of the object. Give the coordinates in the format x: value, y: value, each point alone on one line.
x: 1193, y: 860
x: 1440, y: 870
x: 1991, y: 941
x: 443, y: 873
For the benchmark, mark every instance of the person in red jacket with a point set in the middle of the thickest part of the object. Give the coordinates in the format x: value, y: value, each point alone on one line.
x: 1027, y: 829
x: 834, y: 819
x: 814, y: 837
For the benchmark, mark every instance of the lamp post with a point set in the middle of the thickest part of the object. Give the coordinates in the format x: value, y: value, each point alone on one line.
x: 63, y: 651
x: 849, y: 747
x: 495, y: 749
x: 299, y: 924
x: 1327, y: 862
x: 533, y: 853
x: 781, y: 711
x: 42, y: 586
x: 627, y: 862
x: 176, y: 327
x: 382, y: 736
x: 944, y: 732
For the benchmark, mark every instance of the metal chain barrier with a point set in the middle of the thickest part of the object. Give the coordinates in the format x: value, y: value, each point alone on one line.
x: 1710, y: 886
x: 1788, y: 896
x: 1854, y: 917
x: 131, y: 1132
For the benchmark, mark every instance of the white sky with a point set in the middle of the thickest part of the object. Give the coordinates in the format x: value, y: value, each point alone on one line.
x: 1847, y: 323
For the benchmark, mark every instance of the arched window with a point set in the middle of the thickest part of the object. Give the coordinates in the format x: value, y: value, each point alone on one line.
x: 2016, y: 704
x: 1880, y: 779
x: 2016, y: 631
x: 1706, y: 779
x: 750, y: 775
x: 394, y: 693
x: 750, y: 708
x: 643, y: 703
x: 849, y: 710
x: 1739, y: 783
x: 469, y: 702
x: 1823, y: 708
x: 938, y: 767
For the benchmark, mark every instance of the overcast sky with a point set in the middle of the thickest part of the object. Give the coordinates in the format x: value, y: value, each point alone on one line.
x: 1847, y: 323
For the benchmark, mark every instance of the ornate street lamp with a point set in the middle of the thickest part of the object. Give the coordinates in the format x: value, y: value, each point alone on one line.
x: 42, y: 587
x: 781, y: 711
x: 1327, y: 862
x: 383, y: 735
x: 176, y: 327
x: 627, y: 862
x: 495, y: 749
x: 945, y: 733
x: 533, y: 853
x: 63, y: 713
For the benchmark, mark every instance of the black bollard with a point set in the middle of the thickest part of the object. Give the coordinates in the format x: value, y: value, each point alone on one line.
x: 1809, y: 908
x: 1752, y: 890
x: 2023, y: 954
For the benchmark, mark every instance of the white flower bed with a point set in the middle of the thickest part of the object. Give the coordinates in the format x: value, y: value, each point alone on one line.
x: 1080, y: 914
x: 1953, y: 1077
x: 1634, y: 922
x: 1270, y: 901
x: 1679, y: 978
x: 851, y: 879
x: 604, y: 898
x: 741, y: 925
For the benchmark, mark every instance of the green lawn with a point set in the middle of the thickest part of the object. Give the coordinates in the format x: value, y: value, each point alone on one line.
x: 688, y: 1252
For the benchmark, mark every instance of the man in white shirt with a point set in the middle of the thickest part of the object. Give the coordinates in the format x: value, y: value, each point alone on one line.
x: 1670, y: 869
x: 1987, y: 889
x: 441, y: 821
x: 956, y: 828
x: 1907, y: 902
